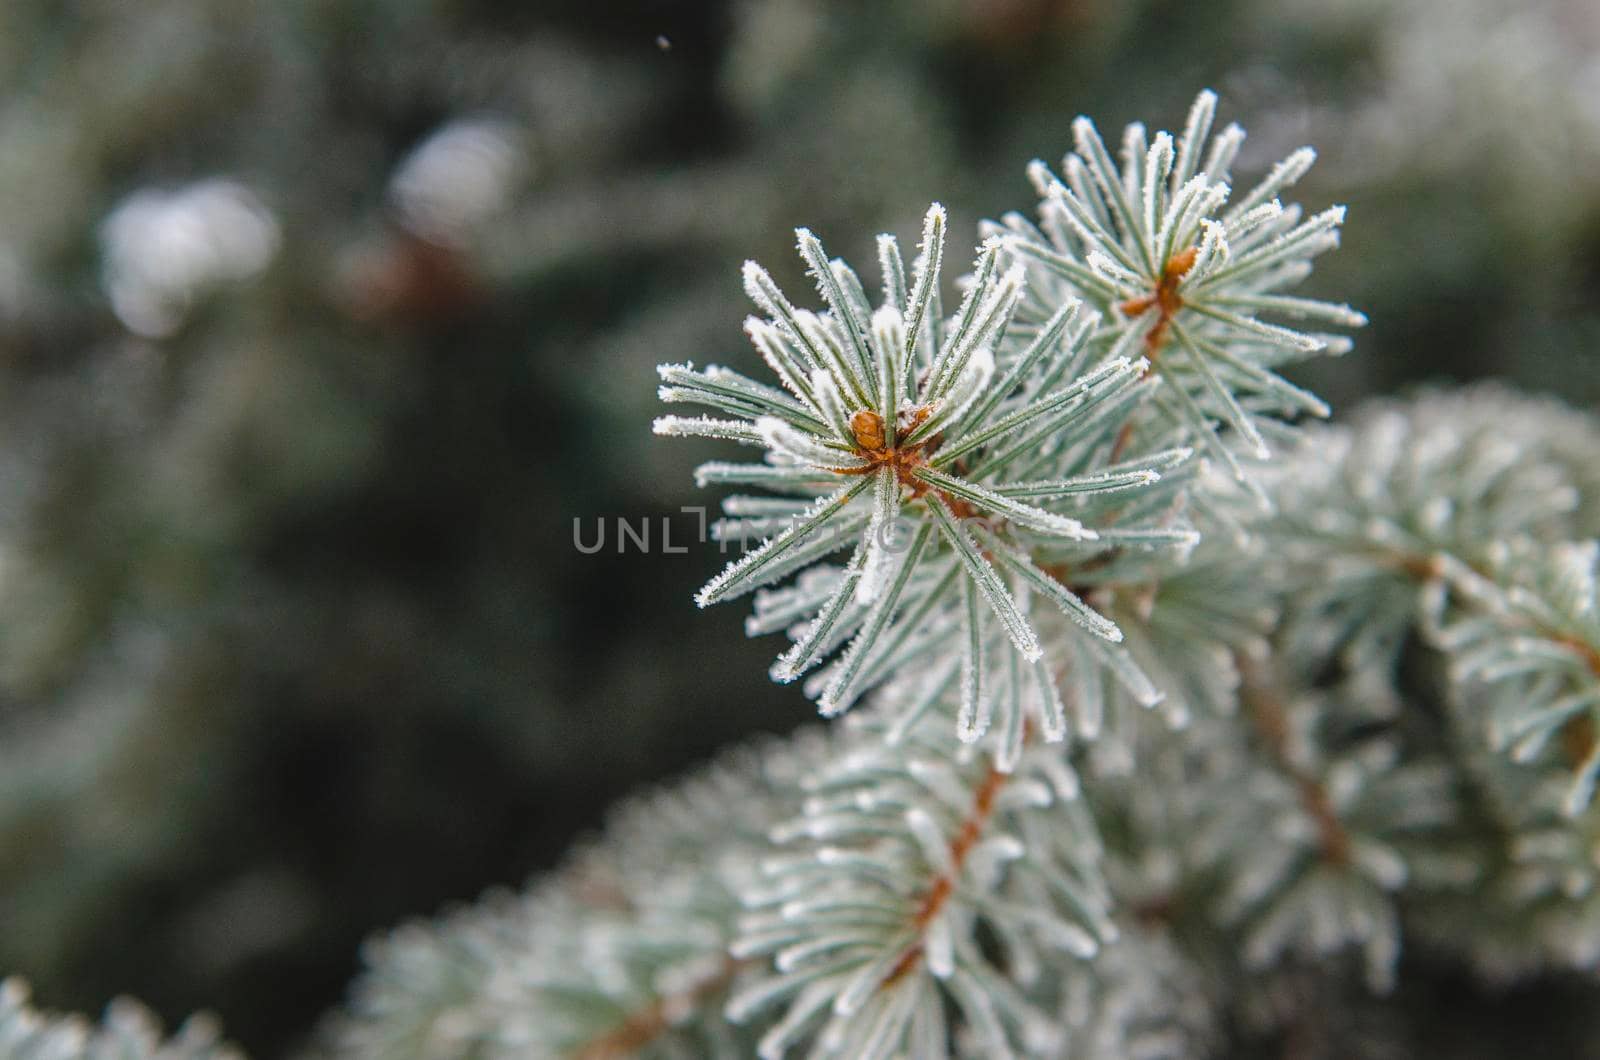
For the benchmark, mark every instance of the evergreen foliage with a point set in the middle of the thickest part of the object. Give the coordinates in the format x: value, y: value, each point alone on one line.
x: 1169, y: 713
x: 127, y: 1033
x: 1373, y: 655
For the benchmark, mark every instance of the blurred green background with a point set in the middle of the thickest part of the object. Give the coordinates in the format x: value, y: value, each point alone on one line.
x: 321, y: 323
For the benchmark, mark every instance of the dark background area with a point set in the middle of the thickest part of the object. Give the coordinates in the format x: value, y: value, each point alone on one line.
x: 294, y: 640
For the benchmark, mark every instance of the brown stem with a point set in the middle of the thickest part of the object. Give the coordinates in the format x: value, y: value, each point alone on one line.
x: 1124, y: 439
x: 1271, y: 720
x: 647, y: 1024
x: 943, y: 885
x: 1166, y: 299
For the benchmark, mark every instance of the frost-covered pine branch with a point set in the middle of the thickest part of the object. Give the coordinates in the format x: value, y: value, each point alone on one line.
x: 624, y: 951
x: 974, y: 467
x: 1470, y: 519
x: 845, y: 928
x: 906, y: 851
x: 1375, y: 658
x: 128, y: 1032
x: 999, y: 486
x: 1464, y: 523
x: 1027, y: 520
x: 1187, y: 274
x: 955, y: 468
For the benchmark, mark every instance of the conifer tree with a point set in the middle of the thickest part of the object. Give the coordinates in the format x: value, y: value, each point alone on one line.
x: 1161, y: 718
x: 1167, y: 704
